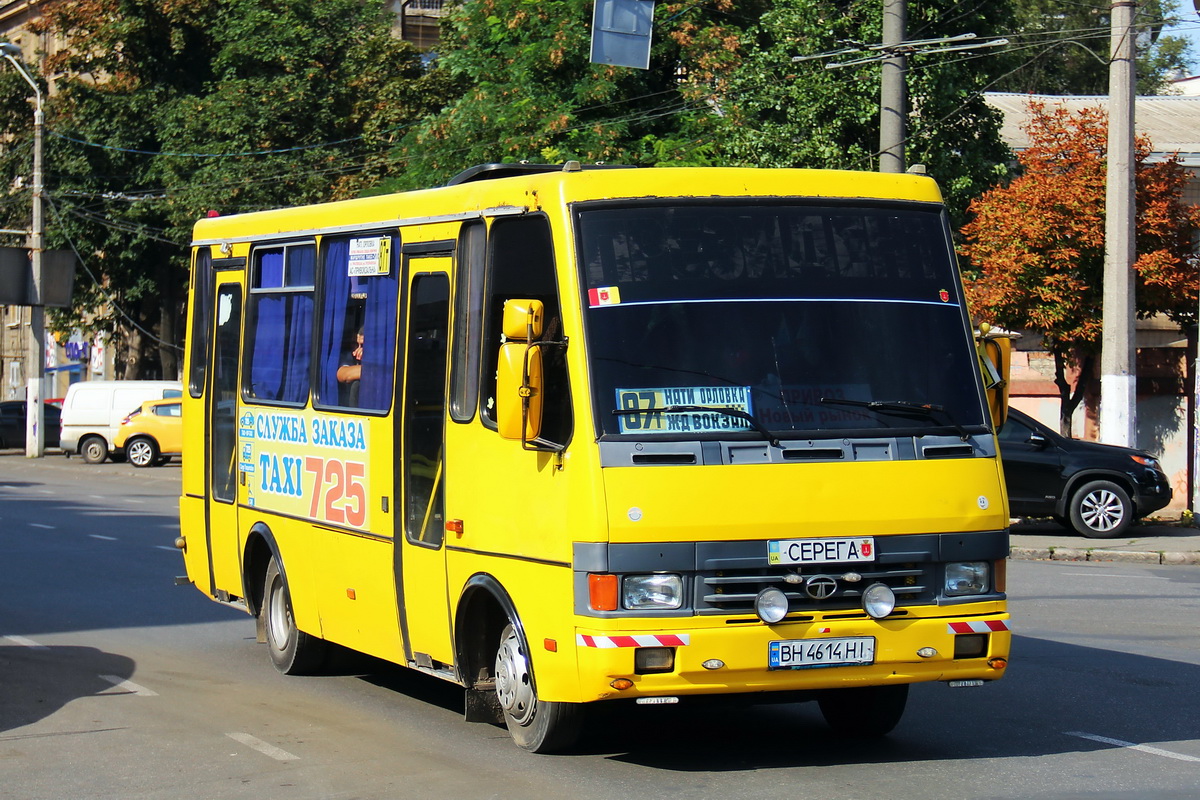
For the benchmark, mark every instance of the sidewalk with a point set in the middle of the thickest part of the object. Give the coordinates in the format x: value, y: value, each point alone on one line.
x: 1147, y: 542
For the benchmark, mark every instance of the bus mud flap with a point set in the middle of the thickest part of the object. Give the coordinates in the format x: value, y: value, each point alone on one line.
x: 482, y: 703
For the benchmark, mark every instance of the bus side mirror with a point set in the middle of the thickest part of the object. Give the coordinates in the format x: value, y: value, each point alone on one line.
x: 520, y: 379
x: 995, y: 359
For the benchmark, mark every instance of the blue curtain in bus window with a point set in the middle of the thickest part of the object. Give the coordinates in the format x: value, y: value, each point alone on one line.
x: 333, y: 318
x: 270, y: 270
x: 301, y: 263
x: 266, y: 364
x: 283, y: 328
x: 299, y: 346
x: 379, y: 332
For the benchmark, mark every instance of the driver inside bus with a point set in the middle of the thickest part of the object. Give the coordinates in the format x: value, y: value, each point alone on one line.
x: 350, y: 371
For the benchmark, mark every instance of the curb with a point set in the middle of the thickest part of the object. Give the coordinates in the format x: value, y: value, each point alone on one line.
x: 1076, y: 554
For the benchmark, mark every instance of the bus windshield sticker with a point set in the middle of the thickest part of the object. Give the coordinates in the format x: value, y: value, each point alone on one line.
x: 369, y: 257
x: 604, y: 296
x: 657, y: 418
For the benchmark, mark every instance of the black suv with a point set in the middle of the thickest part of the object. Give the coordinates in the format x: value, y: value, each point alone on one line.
x: 1097, y: 489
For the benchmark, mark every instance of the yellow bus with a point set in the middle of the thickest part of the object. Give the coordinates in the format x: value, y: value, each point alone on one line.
x: 567, y: 435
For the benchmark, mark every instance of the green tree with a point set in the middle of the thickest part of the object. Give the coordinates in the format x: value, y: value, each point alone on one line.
x: 783, y: 114
x: 532, y: 93
x: 1063, y: 48
x: 171, y: 108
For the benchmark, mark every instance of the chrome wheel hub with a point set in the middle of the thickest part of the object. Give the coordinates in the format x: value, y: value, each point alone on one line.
x: 514, y: 684
x: 1102, y: 510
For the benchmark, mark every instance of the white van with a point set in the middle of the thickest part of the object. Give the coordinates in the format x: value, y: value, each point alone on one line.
x: 92, y: 411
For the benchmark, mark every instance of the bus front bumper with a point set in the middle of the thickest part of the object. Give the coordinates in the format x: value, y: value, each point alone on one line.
x: 737, y: 658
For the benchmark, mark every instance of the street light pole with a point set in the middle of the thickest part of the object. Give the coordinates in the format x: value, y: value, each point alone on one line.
x: 34, y: 415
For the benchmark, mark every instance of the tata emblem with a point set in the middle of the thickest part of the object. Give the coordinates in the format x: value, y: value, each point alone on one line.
x: 944, y: 295
x: 820, y: 587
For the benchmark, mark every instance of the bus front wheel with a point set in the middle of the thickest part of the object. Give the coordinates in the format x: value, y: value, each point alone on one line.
x: 535, y: 725
x: 293, y: 652
x: 865, y: 712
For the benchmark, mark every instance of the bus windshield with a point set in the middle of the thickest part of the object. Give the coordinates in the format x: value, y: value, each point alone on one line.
x: 808, y: 319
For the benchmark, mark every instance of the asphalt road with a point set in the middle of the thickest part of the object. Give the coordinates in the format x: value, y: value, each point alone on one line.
x: 115, y: 683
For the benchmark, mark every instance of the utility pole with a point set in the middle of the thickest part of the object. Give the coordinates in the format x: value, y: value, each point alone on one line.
x: 36, y: 355
x: 1118, y: 366
x: 893, y: 91
x: 893, y: 52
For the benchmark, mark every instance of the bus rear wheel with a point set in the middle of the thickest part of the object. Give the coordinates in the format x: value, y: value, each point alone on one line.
x: 865, y: 712
x: 535, y: 725
x: 292, y: 651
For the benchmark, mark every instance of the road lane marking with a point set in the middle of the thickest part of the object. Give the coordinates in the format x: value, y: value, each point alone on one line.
x: 30, y: 643
x: 129, y: 686
x: 262, y: 747
x: 166, y: 547
x: 1081, y: 573
x: 40, y: 525
x: 1145, y: 748
x: 105, y: 538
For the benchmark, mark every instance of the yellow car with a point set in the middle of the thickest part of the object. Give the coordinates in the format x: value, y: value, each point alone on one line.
x: 150, y: 435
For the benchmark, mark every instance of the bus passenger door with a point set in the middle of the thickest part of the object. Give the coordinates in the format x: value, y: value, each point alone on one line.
x: 221, y: 458
x: 420, y: 468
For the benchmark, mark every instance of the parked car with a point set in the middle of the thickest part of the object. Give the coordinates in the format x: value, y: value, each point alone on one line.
x: 153, y: 433
x: 93, y: 410
x: 12, y: 424
x: 1097, y: 489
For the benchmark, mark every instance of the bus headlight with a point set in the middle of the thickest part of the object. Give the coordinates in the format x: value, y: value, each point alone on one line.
x: 771, y: 605
x: 878, y: 600
x: 966, y: 577
x: 652, y: 591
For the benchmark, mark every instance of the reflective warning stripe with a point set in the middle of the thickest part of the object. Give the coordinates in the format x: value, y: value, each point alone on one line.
x: 641, y: 640
x: 978, y: 627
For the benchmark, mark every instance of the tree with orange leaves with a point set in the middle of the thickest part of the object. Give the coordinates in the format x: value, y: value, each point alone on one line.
x: 1036, y: 245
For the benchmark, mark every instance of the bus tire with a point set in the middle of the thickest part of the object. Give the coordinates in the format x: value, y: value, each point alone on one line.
x: 865, y: 712
x: 94, y: 450
x: 292, y: 651
x: 535, y: 725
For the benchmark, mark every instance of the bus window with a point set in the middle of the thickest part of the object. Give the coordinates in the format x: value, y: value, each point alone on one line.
x: 424, y: 406
x: 202, y: 291
x: 468, y: 321
x: 280, y: 316
x: 224, y: 396
x: 522, y: 265
x: 356, y: 351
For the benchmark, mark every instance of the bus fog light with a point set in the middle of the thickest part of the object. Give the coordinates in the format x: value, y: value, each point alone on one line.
x: 879, y: 600
x: 652, y: 591
x: 648, y: 660
x: 966, y: 577
x: 970, y: 645
x: 771, y: 605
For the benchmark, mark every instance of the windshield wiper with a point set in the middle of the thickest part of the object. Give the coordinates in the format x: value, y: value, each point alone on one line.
x: 754, y: 421
x: 902, y: 408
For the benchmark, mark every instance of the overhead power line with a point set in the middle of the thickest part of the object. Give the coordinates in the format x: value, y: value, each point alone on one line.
x: 911, y: 47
